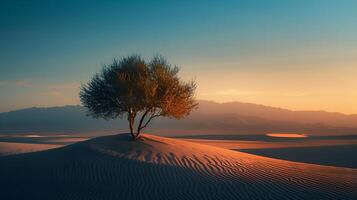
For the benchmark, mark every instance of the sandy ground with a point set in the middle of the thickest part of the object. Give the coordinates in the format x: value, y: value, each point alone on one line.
x: 10, y: 145
x: 113, y: 167
x: 8, y: 148
x: 327, y: 151
x: 333, y: 151
x: 340, y: 155
x: 241, y: 144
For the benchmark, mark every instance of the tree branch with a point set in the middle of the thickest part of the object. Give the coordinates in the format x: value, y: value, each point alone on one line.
x: 153, y: 115
x: 141, y: 121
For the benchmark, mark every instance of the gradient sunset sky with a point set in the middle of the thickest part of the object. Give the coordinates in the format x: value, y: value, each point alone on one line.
x: 300, y: 55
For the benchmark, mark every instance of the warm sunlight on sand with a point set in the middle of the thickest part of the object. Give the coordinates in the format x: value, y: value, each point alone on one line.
x: 167, y: 168
x: 9, y: 148
x: 287, y: 135
x: 241, y: 144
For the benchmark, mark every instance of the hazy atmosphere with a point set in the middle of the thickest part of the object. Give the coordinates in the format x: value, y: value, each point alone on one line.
x: 298, y: 55
x: 178, y: 99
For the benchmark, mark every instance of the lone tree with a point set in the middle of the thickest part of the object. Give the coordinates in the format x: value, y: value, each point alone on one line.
x: 138, y: 90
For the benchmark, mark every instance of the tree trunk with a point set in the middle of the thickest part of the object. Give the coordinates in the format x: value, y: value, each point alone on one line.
x: 138, y: 134
x: 131, y: 124
x: 134, y: 137
x: 141, y: 122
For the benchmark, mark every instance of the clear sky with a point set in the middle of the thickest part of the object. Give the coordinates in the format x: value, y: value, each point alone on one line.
x: 296, y: 54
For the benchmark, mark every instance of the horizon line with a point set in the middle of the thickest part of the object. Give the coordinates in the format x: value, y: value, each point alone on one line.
x: 207, y: 100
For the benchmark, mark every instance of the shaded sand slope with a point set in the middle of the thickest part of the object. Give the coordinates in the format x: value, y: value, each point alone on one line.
x: 340, y: 155
x: 113, y: 167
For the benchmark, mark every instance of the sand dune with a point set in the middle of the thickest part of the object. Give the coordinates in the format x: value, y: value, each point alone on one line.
x: 339, y: 155
x: 113, y: 167
x: 16, y: 144
x: 8, y: 148
x: 60, y: 140
x: 243, y: 144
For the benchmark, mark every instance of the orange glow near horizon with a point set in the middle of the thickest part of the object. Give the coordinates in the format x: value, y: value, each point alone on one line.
x: 287, y: 135
x: 332, y: 89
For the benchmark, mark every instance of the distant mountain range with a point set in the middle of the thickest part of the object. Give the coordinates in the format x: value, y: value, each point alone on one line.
x: 279, y: 114
x: 210, y: 117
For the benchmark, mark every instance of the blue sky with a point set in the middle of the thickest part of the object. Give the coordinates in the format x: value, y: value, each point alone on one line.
x: 295, y: 54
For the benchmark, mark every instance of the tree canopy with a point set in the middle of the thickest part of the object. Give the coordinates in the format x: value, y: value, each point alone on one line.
x: 133, y: 88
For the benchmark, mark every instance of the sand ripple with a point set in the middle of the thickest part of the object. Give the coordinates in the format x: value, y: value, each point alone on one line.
x: 114, y: 167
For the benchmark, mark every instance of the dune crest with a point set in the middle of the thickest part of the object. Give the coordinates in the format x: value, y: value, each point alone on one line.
x: 114, y: 167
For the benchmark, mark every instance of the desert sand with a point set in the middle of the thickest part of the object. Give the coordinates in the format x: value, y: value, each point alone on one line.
x: 15, y: 144
x: 9, y: 148
x: 338, y: 151
x: 113, y: 167
x: 339, y: 155
x: 254, y: 144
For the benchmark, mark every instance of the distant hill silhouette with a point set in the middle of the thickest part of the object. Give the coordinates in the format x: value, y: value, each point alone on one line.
x: 53, y: 119
x: 211, y: 117
x: 280, y: 114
